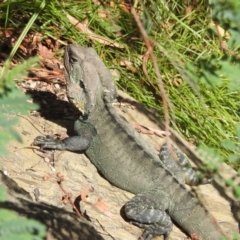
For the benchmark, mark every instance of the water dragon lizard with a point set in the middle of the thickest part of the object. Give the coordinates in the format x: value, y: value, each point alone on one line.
x: 124, y: 158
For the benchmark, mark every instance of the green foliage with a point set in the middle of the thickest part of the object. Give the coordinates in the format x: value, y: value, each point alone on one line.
x: 212, y: 160
x: 8, y: 80
x: 227, y: 13
x: 211, y: 157
x: 235, y: 188
x: 235, y: 236
x: 13, y: 227
x: 24, y: 31
x: 233, y: 147
x: 212, y: 70
x: 12, y: 101
x: 219, y: 73
x: 2, y: 194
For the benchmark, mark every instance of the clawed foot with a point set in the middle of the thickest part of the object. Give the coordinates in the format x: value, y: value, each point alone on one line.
x: 152, y: 230
x: 45, y: 142
x: 207, y: 181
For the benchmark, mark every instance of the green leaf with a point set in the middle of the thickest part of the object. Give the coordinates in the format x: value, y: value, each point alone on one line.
x: 205, y: 71
x: 238, y: 132
x: 229, y: 182
x: 6, y: 215
x: 235, y: 38
x: 236, y: 191
x: 232, y: 72
x: 12, y: 102
x: 7, y: 134
x: 229, y: 144
x: 17, y: 72
x: 233, y: 157
x: 2, y: 193
x: 22, y: 229
x: 15, y: 102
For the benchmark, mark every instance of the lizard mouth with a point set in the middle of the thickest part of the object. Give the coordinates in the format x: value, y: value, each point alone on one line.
x: 79, y: 106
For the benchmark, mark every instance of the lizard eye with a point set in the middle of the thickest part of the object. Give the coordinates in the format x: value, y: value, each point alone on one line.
x: 73, y: 59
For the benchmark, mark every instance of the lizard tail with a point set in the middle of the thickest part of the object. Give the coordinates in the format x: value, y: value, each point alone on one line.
x: 194, y: 218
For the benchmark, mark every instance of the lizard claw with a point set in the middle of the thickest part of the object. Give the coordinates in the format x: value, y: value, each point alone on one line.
x: 152, y: 230
x: 148, y: 235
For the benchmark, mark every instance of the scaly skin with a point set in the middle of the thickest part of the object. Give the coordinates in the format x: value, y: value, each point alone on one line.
x: 124, y: 158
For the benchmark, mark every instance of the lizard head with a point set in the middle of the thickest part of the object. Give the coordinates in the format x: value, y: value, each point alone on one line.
x: 83, y: 80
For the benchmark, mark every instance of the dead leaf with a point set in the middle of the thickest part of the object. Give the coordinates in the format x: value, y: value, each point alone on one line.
x: 190, y: 7
x: 102, y: 14
x: 151, y: 131
x: 37, y: 37
x: 49, y: 76
x: 125, y: 7
x: 84, y: 194
x: 44, y: 52
x: 177, y: 80
x: 83, y: 28
x: 195, y: 237
x: 128, y: 65
x: 142, y: 129
x: 100, y: 205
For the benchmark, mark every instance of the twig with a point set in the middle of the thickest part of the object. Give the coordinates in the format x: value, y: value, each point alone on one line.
x: 19, y: 115
x: 67, y: 195
x: 152, y: 56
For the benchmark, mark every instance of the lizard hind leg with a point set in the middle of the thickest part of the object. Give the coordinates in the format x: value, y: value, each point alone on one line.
x: 180, y: 165
x: 146, y: 211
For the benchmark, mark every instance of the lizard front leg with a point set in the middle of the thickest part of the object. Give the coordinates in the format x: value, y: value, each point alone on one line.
x: 81, y: 142
x: 148, y: 210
